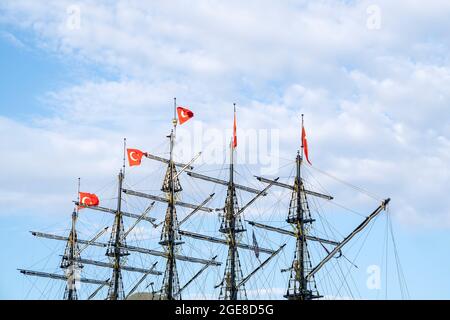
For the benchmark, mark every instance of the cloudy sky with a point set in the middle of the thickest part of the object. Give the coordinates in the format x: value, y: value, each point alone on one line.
x: 371, y: 77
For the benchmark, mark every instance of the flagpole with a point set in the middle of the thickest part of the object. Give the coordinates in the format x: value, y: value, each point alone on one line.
x: 124, y: 154
x: 302, y: 136
x: 78, y: 195
x: 175, y: 108
x: 71, y: 290
x: 175, y: 118
x: 233, y: 139
x: 76, y: 212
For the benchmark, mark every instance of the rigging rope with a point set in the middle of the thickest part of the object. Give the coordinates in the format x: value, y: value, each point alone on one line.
x: 401, y: 277
x: 359, y: 189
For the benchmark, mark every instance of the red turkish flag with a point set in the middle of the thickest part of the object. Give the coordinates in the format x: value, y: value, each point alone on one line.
x: 305, y: 145
x: 88, y: 199
x: 135, y: 157
x: 184, y: 114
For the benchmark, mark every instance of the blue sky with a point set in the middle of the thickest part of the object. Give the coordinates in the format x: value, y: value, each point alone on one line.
x: 376, y: 98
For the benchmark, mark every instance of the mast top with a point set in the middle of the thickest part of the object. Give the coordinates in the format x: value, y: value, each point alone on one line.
x: 77, y: 208
x: 124, y: 154
x: 175, y: 119
x: 302, y: 147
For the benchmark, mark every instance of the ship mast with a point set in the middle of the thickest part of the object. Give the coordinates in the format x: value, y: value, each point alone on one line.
x: 116, y: 247
x: 301, y: 280
x: 71, y: 254
x: 116, y: 250
x: 68, y: 262
x: 232, y: 286
x: 301, y: 285
x: 117, y: 244
x: 169, y: 237
x: 231, y: 227
x: 233, y: 282
x: 170, y: 234
x: 298, y: 285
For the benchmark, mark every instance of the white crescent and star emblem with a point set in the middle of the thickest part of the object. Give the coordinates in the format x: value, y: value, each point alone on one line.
x: 183, y: 114
x: 83, y: 201
x: 132, y: 157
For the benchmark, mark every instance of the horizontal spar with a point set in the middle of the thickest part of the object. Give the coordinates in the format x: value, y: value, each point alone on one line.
x: 223, y: 182
x: 220, y: 241
x: 62, y: 238
x: 167, y: 161
x: 110, y: 265
x: 290, y: 187
x: 161, y: 199
x: 128, y: 247
x: 112, y: 211
x: 60, y: 277
x: 177, y: 256
x: 291, y: 233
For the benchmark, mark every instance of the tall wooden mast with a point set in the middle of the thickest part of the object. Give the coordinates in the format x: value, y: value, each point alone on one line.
x: 117, y: 247
x: 299, y: 217
x: 70, y: 258
x: 169, y: 237
x: 302, y: 285
x: 231, y: 226
x: 69, y: 261
x: 232, y: 286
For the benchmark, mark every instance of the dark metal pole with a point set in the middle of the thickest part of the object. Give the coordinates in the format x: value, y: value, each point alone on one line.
x: 71, y: 279
x: 300, y: 231
x: 72, y: 294
x: 232, y: 233
x: 171, y: 242
x: 171, y: 233
x: 300, y: 223
x: 117, y: 242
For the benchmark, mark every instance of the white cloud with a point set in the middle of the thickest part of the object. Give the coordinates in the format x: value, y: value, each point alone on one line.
x: 12, y: 39
x: 376, y: 100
